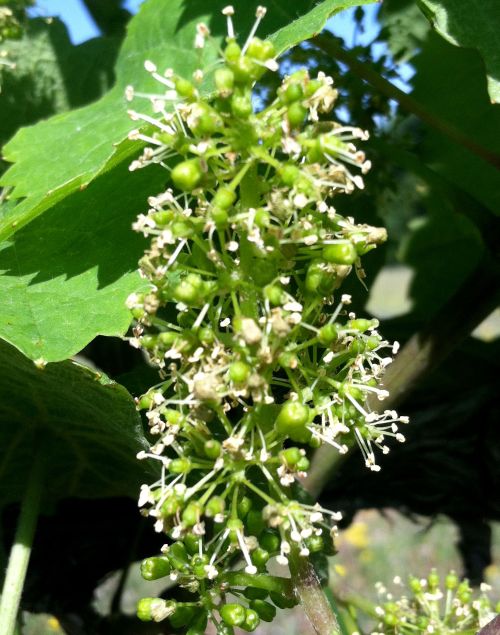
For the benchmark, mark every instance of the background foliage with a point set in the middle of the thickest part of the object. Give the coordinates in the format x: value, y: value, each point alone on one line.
x: 68, y: 258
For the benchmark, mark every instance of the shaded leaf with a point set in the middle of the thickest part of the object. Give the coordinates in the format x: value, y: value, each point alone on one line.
x: 50, y: 74
x: 66, y: 276
x: 309, y: 24
x: 443, y: 248
x: 85, y: 424
x: 471, y: 24
x: 54, y: 158
x: 403, y: 28
x: 450, y: 83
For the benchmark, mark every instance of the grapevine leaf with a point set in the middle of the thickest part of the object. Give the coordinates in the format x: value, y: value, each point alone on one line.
x: 311, y: 23
x: 470, y: 24
x: 44, y: 74
x: 443, y: 248
x: 67, y: 274
x: 403, y: 28
x: 86, y: 425
x: 449, y: 82
x: 54, y: 158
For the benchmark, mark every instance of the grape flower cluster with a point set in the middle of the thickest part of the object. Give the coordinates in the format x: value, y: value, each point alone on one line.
x: 433, y: 605
x: 259, y: 356
x: 12, y: 16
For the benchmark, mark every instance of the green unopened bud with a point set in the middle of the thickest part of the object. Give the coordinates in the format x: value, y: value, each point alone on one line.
x: 233, y: 614
x: 154, y: 609
x: 155, y: 568
x: 187, y: 175
x: 340, y: 253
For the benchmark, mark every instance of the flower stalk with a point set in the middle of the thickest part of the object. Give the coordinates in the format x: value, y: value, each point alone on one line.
x: 21, y: 549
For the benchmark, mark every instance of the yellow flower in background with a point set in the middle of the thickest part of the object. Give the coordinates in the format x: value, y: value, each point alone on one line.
x: 357, y: 535
x: 53, y: 623
x: 340, y: 569
x: 366, y: 556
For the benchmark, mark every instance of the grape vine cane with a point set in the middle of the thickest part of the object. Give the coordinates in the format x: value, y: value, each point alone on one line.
x: 259, y: 356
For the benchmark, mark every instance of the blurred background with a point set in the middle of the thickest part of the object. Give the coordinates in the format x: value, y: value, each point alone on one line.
x: 436, y: 501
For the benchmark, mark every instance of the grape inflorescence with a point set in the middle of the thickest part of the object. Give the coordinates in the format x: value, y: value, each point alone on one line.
x: 259, y: 356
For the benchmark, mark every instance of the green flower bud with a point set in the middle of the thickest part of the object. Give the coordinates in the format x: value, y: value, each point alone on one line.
x: 198, y: 564
x: 245, y: 70
x: 433, y: 580
x: 206, y: 335
x: 312, y: 86
x: 254, y: 522
x: 260, y: 557
x: 145, y: 402
x: 296, y: 114
x: 234, y: 525
x: 291, y: 456
x: 181, y: 465
x: 451, y: 581
x: 390, y: 619
x: 244, y: 506
x: 293, y: 92
x: 274, y: 294
x: 224, y: 198
x: 233, y: 614
x: 214, y: 506
x: 303, y: 464
x: 315, y: 544
x: 184, y: 88
x: 178, y: 557
x: 154, y: 609
x: 340, y: 253
x: 289, y: 174
x: 187, y: 175
x: 167, y: 338
x: 288, y: 360
x: 239, y: 372
x: 148, y: 341
x: 191, y: 514
x: 224, y: 81
x: 241, y: 106
x: 212, y: 449
x: 220, y: 217
x: 328, y: 333
x: 170, y: 507
x: 252, y: 620
x: 362, y: 325
x: 232, y: 51
x: 415, y: 585
x: 155, y: 568
x: 292, y: 416
x: 270, y: 541
x: 260, y: 50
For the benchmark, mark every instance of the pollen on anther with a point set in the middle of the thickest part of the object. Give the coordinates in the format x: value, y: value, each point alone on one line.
x: 150, y: 66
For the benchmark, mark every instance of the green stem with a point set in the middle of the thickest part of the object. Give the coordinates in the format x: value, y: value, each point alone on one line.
x: 340, y: 614
x: 21, y: 550
x: 312, y: 596
x: 329, y: 45
x: 270, y: 583
x: 360, y: 603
